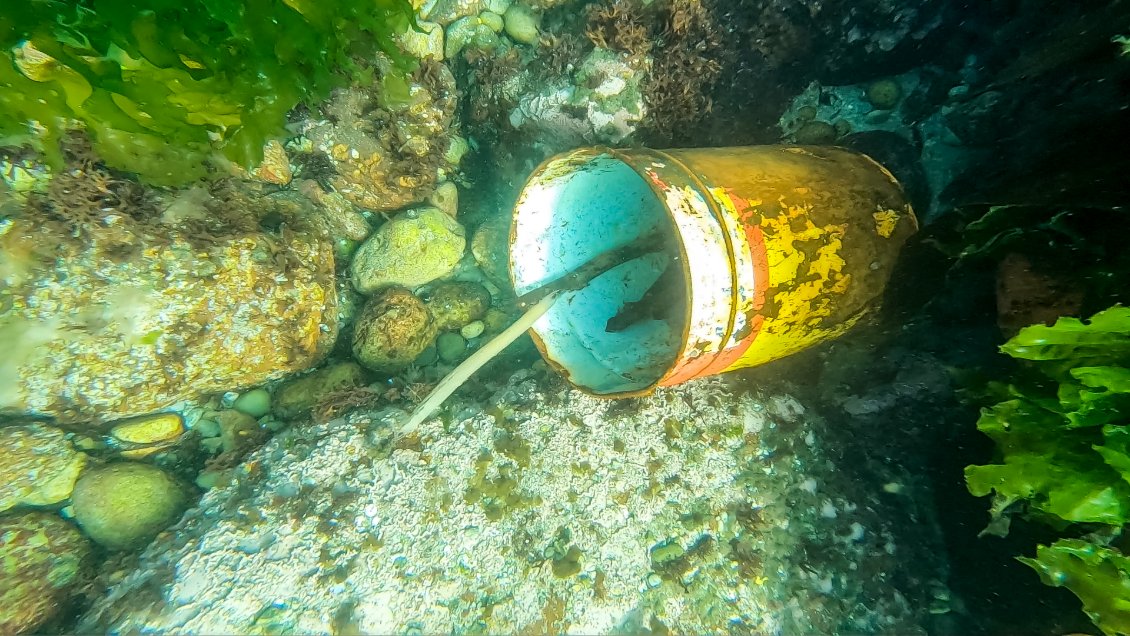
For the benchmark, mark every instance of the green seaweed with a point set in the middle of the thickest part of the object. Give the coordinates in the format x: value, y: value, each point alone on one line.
x: 1063, y: 435
x: 164, y: 85
x: 1098, y: 575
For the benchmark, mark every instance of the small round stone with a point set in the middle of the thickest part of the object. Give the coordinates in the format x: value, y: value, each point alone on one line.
x: 256, y: 403
x: 815, y: 133
x: 473, y: 329
x: 446, y: 198
x: 521, y: 24
x: 124, y: 505
x: 457, y: 303
x: 451, y: 346
x: 149, y: 429
x: 44, y: 560
x: 884, y: 94
x: 392, y: 330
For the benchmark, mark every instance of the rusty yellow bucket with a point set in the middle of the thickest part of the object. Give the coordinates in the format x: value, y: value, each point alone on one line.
x: 765, y: 250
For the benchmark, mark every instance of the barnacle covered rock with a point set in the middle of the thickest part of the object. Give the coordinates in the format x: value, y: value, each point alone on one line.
x: 38, y: 466
x: 414, y: 248
x: 210, y: 290
x: 392, y: 330
x: 43, y: 561
x: 388, y: 143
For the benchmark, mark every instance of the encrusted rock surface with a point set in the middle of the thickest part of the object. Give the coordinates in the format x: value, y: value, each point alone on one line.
x: 540, y: 509
x: 414, y: 248
x: 159, y: 311
x: 43, y: 562
x: 387, y: 144
x: 38, y: 466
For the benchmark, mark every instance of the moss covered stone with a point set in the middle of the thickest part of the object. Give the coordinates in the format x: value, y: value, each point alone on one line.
x: 124, y: 505
x: 296, y: 397
x: 43, y: 561
x: 458, y: 303
x: 414, y: 248
x: 392, y: 330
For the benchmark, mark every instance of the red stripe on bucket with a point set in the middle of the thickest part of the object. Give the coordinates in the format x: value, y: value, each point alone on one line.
x: 760, y: 259
x: 711, y: 364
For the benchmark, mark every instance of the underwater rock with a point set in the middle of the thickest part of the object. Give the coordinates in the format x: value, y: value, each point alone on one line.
x: 425, y: 42
x: 447, y: 11
x: 473, y: 31
x: 884, y: 94
x: 760, y: 530
x: 450, y: 346
x: 457, y: 303
x: 388, y: 143
x: 414, y: 248
x: 490, y: 247
x: 38, y: 466
x: 44, y: 560
x: 148, y: 434
x: 275, y: 167
x: 473, y: 330
x: 392, y: 330
x: 341, y: 218
x: 201, y: 301
x: 296, y: 397
x: 600, y: 102
x: 446, y: 199
x: 521, y: 24
x: 125, y: 504
x: 256, y: 403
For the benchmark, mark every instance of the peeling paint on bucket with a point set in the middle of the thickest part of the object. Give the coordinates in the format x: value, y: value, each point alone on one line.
x: 771, y: 249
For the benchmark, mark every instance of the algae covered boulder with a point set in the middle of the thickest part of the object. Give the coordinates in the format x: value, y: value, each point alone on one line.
x: 38, y: 466
x: 296, y: 397
x: 164, y: 304
x: 414, y: 248
x: 125, y: 504
x: 43, y: 561
x: 392, y: 330
x: 458, y: 303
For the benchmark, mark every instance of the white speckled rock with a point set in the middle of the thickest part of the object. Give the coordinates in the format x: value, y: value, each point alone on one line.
x: 447, y: 11
x: 696, y: 508
x: 469, y: 31
x: 414, y: 248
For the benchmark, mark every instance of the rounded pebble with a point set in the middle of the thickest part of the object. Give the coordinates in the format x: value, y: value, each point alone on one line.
x: 256, y: 403
x: 446, y: 198
x: 457, y: 303
x: 392, y: 330
x: 451, y: 346
x: 149, y: 429
x: 43, y: 562
x: 473, y: 329
x: 124, y: 505
x: 521, y: 24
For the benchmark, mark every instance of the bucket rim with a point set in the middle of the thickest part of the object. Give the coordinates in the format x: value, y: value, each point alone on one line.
x: 627, y: 157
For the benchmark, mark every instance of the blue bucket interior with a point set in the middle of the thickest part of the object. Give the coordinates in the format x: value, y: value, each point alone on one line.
x: 574, y: 208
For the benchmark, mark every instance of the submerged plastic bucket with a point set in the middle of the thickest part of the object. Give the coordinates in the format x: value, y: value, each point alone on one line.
x: 773, y: 249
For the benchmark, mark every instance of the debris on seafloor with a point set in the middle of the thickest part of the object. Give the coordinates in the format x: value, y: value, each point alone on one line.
x: 539, y: 301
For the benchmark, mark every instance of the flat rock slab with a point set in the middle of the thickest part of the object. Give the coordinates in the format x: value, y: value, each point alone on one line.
x: 699, y: 509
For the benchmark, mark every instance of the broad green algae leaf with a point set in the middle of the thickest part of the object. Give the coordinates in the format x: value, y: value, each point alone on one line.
x: 1064, y: 446
x: 1098, y: 575
x: 163, y: 85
